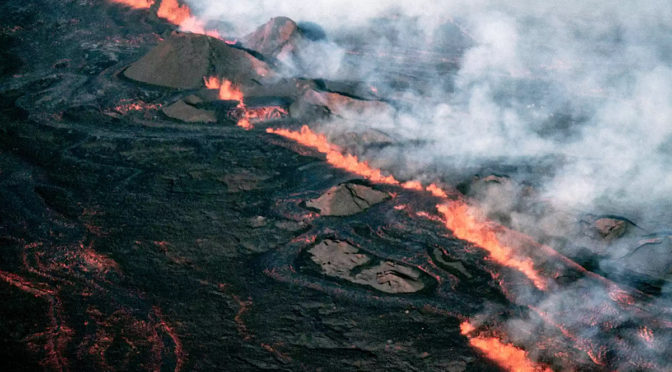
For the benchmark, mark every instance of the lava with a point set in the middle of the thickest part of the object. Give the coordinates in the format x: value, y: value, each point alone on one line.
x: 507, y: 356
x: 178, y: 351
x: 266, y: 113
x: 462, y: 220
x: 57, y: 335
x: 135, y: 4
x: 173, y: 12
x: 412, y: 185
x: 347, y: 162
x: 126, y: 105
x: 229, y: 92
x: 646, y: 334
x: 595, y: 354
x: 458, y: 216
x: 436, y: 191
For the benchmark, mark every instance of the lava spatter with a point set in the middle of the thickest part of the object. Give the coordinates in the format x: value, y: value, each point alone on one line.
x: 175, y: 13
x: 180, y: 14
x: 229, y: 92
x: 226, y: 89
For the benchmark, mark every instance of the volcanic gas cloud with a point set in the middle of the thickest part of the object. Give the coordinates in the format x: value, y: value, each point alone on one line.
x: 493, y: 172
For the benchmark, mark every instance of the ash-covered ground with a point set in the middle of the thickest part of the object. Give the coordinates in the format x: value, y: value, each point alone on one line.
x: 153, y: 219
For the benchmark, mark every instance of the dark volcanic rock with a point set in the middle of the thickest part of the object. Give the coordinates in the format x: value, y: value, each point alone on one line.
x: 340, y: 259
x: 347, y: 199
x: 357, y: 140
x: 132, y: 243
x: 651, y: 257
x: 183, y: 60
x: 277, y: 39
x: 610, y: 228
x: 338, y: 105
x: 190, y: 114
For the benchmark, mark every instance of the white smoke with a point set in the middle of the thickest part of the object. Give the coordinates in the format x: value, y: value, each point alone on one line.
x: 576, y: 95
x: 585, y: 86
x: 588, y: 81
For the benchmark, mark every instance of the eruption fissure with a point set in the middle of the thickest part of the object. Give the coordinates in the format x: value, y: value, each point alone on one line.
x: 175, y: 13
x: 505, y: 355
x: 467, y: 224
x: 135, y: 4
x: 180, y: 15
x: 227, y: 91
x: 462, y: 220
x: 546, y: 269
x: 458, y: 216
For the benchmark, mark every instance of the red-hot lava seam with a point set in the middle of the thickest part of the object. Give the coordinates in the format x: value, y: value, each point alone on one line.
x: 461, y: 219
x: 55, y: 339
x: 468, y: 225
x: 179, y: 351
x: 458, y: 216
x: 58, y: 334
x: 228, y: 91
x: 582, y: 344
x: 506, y: 355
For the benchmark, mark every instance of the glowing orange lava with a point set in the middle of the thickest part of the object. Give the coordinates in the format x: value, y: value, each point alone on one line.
x: 507, y: 356
x: 227, y: 91
x: 266, y: 113
x: 465, y: 224
x: 646, y: 334
x: 173, y: 12
x: 436, y: 191
x: 135, y: 4
x: 412, y: 185
x: 347, y: 162
x: 458, y: 216
x: 127, y: 105
x: 180, y: 15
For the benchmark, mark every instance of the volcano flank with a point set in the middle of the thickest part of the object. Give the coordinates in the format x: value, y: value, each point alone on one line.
x: 177, y: 196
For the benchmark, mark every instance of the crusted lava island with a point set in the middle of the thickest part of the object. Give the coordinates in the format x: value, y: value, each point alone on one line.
x: 175, y: 199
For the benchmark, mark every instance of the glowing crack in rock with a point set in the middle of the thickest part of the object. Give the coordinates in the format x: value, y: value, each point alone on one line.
x: 135, y: 4
x: 466, y: 225
x: 334, y: 156
x: 459, y: 218
x: 228, y: 91
x: 507, y: 356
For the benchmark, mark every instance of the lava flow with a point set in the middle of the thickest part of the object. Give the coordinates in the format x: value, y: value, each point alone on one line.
x: 227, y: 91
x: 507, y: 356
x: 135, y: 4
x: 347, y: 162
x: 461, y: 219
x: 175, y: 13
x: 180, y: 15
x: 458, y: 216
